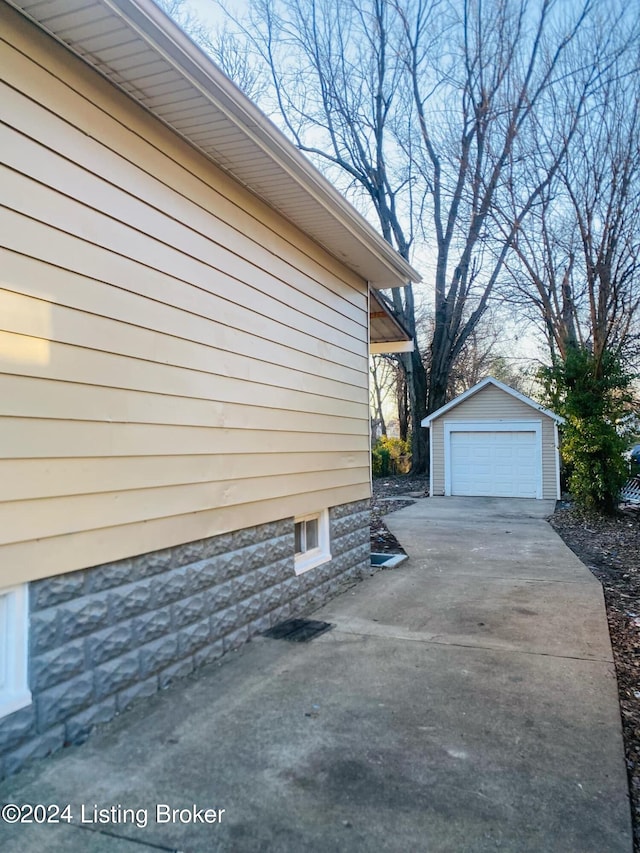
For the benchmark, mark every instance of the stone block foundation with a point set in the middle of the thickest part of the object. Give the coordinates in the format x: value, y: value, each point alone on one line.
x: 105, y: 636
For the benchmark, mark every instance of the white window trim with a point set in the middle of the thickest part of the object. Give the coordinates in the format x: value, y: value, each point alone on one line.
x: 322, y: 554
x: 491, y: 426
x: 556, y: 443
x: 16, y: 694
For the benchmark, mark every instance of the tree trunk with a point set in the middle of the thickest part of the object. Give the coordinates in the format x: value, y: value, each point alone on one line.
x: 378, y: 400
x: 417, y: 385
x: 403, y: 402
x: 438, y: 383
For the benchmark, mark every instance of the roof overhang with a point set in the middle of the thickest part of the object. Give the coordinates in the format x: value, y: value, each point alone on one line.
x: 426, y: 422
x: 386, y: 332
x: 139, y: 49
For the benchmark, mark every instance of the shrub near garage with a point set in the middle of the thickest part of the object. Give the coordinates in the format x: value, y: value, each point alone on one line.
x: 592, y: 394
x: 593, y: 450
x: 390, y: 456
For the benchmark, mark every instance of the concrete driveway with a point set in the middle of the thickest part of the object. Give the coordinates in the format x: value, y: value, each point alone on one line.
x: 465, y: 702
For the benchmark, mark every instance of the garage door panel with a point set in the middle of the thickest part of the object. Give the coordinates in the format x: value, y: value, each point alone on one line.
x: 494, y: 464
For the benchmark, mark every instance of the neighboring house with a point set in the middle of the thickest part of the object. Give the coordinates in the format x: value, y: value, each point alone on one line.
x: 493, y: 441
x: 184, y: 340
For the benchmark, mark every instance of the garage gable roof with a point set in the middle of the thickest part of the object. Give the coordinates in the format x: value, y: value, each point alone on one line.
x: 426, y: 422
x: 141, y: 51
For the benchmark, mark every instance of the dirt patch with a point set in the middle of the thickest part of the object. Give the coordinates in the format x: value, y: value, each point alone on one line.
x: 402, y: 484
x: 389, y: 495
x: 610, y: 548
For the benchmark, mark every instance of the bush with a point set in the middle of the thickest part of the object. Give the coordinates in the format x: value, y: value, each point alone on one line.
x: 380, y: 461
x: 390, y: 456
x: 593, y: 450
x: 592, y: 395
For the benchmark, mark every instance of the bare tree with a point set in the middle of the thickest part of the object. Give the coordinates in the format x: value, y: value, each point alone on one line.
x: 507, y: 74
x: 337, y: 85
x: 381, y: 388
x: 423, y: 112
x: 475, y: 360
x: 577, y: 258
x: 232, y: 54
x: 485, y: 354
x: 423, y: 105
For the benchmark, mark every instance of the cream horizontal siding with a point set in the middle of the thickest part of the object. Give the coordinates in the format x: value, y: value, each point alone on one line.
x: 176, y: 360
x: 270, y: 318
x: 35, y: 317
x: 82, y: 364
x: 78, y: 549
x: 27, y: 479
x: 493, y: 404
x: 108, y: 509
x: 28, y: 397
x: 87, y: 126
x: 41, y: 438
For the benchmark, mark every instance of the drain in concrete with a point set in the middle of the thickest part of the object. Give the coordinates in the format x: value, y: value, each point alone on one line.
x: 298, y: 630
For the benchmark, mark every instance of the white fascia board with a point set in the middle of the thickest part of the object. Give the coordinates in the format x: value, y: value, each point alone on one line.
x: 391, y: 346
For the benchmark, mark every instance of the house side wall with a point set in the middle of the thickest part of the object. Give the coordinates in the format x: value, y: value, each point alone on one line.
x: 176, y: 360
x: 106, y: 636
x: 493, y: 404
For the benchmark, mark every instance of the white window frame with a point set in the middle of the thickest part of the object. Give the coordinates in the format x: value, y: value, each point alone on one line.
x: 14, y: 649
x: 316, y: 556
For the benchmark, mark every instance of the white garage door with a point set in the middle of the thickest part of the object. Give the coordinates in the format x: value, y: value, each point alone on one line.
x: 496, y: 464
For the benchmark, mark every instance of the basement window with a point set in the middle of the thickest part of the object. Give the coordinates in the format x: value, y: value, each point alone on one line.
x: 14, y: 642
x: 312, y: 545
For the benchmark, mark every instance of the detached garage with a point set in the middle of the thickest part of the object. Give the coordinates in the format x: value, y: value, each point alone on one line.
x: 493, y: 441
